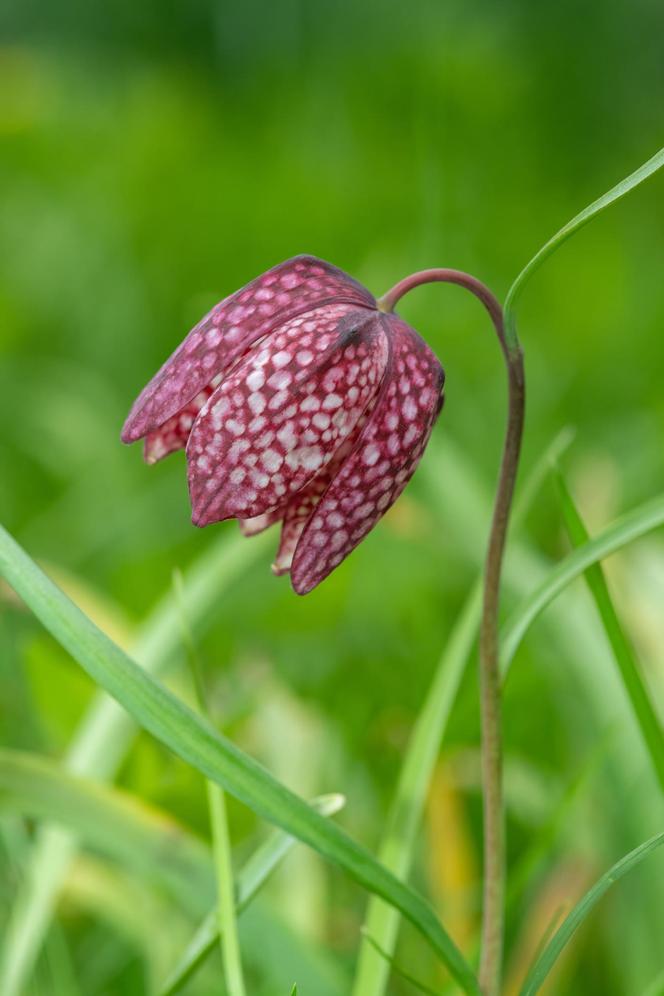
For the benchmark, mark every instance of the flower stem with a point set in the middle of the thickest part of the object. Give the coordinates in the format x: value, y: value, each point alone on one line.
x: 490, y: 695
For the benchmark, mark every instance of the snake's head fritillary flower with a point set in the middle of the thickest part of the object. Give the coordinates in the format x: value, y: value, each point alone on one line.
x: 298, y: 401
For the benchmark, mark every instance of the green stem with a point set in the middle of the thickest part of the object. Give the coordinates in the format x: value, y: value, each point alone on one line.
x: 221, y: 842
x: 490, y: 693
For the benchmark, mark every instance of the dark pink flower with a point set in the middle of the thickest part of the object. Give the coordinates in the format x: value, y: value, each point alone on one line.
x: 298, y: 401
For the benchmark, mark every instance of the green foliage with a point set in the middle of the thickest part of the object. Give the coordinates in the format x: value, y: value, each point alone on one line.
x: 153, y: 161
x: 625, y: 530
x: 644, y: 712
x: 199, y: 744
x: 573, y: 920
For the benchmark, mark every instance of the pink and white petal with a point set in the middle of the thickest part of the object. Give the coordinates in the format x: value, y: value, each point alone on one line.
x: 233, y: 325
x: 295, y: 519
x: 259, y: 523
x: 283, y: 411
x: 303, y: 505
x: 174, y: 433
x: 381, y: 464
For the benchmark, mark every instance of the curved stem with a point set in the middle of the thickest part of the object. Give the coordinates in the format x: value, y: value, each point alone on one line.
x: 490, y: 696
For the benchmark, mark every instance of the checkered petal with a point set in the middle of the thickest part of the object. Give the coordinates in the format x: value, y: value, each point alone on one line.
x: 281, y: 414
x: 224, y: 335
x: 377, y: 470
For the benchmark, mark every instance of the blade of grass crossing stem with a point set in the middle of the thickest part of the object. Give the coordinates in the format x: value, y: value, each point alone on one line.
x: 194, y: 740
x: 403, y: 819
x: 644, y: 713
x: 619, y: 534
x: 250, y: 880
x: 623, y: 187
x: 573, y: 920
x: 221, y: 843
x: 120, y: 826
x: 102, y: 741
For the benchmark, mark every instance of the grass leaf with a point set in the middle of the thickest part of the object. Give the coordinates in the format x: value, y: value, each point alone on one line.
x: 644, y: 713
x: 103, y: 739
x: 581, y: 219
x: 231, y: 954
x: 251, y: 878
x: 111, y: 821
x: 573, y: 920
x: 194, y: 740
x: 623, y: 531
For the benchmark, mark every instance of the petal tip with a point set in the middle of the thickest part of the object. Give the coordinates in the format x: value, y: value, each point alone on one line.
x: 302, y: 587
x: 133, y: 429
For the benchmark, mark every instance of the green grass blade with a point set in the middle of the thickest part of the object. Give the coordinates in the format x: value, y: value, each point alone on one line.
x: 250, y: 880
x: 581, y: 219
x: 116, y: 824
x: 573, y: 920
x: 403, y: 820
x: 623, y: 531
x: 221, y: 842
x: 421, y: 987
x: 103, y: 739
x: 198, y: 743
x: 541, y: 844
x: 646, y: 717
x: 396, y: 849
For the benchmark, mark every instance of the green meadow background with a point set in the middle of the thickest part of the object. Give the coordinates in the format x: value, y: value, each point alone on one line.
x: 155, y: 157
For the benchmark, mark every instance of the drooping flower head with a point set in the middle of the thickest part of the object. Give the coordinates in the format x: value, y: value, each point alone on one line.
x: 298, y: 401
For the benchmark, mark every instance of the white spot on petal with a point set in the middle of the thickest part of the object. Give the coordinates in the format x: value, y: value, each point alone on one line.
x: 280, y: 380
x: 321, y: 420
x: 409, y: 408
x: 281, y: 359
x: 256, y: 402
x: 255, y: 380
x: 272, y: 461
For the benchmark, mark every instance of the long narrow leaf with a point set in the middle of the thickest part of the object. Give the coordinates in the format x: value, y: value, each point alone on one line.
x: 581, y: 219
x: 102, y: 741
x: 573, y: 921
x: 198, y: 743
x: 113, y: 822
x: 644, y: 712
x: 253, y: 875
x: 225, y: 913
x: 625, y: 530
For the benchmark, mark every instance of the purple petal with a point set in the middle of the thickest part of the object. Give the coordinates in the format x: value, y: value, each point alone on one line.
x: 287, y: 290
x: 382, y: 462
x: 283, y: 411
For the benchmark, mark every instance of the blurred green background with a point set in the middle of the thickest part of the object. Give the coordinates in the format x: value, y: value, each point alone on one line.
x: 154, y: 158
